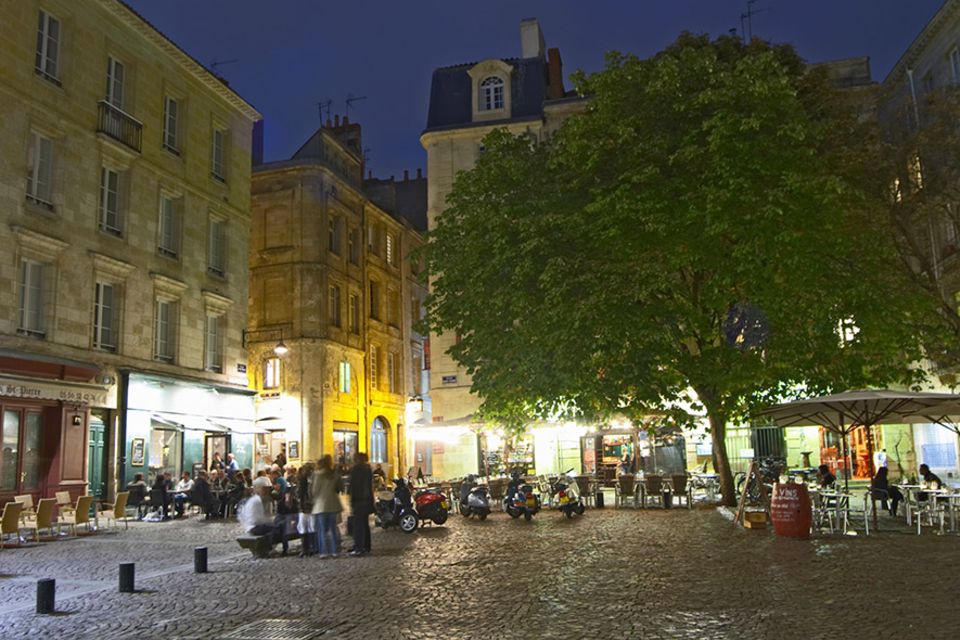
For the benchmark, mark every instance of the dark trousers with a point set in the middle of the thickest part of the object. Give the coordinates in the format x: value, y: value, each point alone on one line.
x: 275, y: 531
x: 361, y: 527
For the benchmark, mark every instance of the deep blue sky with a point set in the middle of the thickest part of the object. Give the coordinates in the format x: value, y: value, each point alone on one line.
x: 295, y: 53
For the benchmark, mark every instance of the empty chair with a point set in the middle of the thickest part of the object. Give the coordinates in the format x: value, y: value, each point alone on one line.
x: 682, y: 489
x: 651, y: 489
x: 626, y: 489
x: 64, y: 502
x: 42, y: 519
x: 79, y: 515
x: 588, y: 489
x: 116, y: 511
x: 10, y: 522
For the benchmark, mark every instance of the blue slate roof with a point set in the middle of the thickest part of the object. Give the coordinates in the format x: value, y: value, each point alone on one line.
x: 451, y: 93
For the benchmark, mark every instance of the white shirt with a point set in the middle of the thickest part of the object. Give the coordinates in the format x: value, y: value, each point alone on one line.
x: 253, y: 513
x: 184, y: 486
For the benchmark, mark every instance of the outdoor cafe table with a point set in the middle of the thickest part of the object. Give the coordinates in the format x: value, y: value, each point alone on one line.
x: 908, y: 491
x: 953, y: 502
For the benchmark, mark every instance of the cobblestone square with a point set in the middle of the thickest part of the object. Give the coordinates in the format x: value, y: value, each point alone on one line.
x: 611, y: 574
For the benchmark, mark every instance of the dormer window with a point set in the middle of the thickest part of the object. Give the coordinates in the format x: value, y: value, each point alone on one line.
x: 491, y: 94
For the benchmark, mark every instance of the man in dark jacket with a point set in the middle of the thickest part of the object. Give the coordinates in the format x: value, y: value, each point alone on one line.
x: 361, y: 503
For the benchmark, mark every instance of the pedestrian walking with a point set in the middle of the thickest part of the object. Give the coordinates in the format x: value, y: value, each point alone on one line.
x: 305, y: 521
x: 361, y: 503
x: 325, y: 489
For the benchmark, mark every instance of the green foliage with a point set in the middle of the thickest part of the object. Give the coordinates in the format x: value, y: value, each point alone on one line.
x: 594, y: 273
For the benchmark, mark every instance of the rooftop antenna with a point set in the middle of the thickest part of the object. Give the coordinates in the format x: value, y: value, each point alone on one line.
x: 324, y: 104
x: 748, y: 16
x: 216, y: 63
x: 350, y: 100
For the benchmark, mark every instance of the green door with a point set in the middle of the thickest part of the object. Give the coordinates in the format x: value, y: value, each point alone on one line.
x: 95, y: 470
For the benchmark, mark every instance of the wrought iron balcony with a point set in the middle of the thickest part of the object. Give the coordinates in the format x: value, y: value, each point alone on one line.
x: 119, y: 125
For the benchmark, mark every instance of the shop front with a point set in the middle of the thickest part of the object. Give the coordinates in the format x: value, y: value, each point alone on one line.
x: 45, y: 408
x: 172, y: 425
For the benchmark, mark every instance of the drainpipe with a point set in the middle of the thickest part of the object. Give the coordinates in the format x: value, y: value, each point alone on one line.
x: 913, y: 96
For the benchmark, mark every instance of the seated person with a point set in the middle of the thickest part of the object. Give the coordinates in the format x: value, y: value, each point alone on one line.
x: 159, y: 496
x: 203, y: 496
x: 881, y: 490
x: 928, y: 480
x: 138, y: 495
x: 182, y: 495
x: 255, y: 518
x: 825, y: 479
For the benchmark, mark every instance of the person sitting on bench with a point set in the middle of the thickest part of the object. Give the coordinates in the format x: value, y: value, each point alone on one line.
x: 255, y: 518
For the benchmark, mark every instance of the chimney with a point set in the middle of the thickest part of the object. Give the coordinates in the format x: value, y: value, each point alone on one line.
x: 406, y: 175
x: 531, y: 39
x: 419, y: 173
x: 369, y: 175
x: 336, y: 120
x: 554, y: 74
x: 346, y: 120
x: 256, y: 150
x: 329, y: 123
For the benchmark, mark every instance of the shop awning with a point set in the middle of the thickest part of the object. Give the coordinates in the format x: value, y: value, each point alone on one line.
x: 165, y: 422
x: 238, y: 426
x: 271, y: 424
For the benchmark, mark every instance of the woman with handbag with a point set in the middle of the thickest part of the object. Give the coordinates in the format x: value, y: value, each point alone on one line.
x: 325, y: 491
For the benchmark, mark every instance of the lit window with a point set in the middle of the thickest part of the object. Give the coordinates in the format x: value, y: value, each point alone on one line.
x: 344, y: 377
x: 40, y: 174
x: 111, y: 215
x: 378, y: 442
x: 271, y: 373
x: 491, y: 94
x: 106, y: 317
x: 171, y: 122
x: 214, y: 345
x: 48, y: 47
x: 31, y: 298
x: 391, y: 250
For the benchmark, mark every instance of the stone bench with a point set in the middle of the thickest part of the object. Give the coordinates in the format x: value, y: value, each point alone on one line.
x: 260, y: 546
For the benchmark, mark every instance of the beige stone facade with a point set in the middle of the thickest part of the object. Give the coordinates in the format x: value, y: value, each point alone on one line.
x: 108, y: 204
x: 330, y: 276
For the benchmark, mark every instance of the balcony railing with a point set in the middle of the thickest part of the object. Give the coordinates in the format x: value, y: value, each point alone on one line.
x: 119, y: 125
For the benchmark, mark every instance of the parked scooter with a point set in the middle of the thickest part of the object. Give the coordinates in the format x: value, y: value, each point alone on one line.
x: 432, y: 505
x: 566, y: 495
x: 395, y: 509
x: 520, y: 498
x: 474, y: 499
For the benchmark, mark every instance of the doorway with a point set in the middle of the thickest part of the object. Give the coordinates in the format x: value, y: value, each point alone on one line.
x: 95, y: 456
x: 215, y: 444
x: 20, y: 459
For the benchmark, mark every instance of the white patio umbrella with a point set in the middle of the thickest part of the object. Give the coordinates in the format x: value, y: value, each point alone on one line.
x: 843, y: 412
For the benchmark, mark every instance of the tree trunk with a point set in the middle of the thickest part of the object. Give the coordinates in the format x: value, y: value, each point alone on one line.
x: 718, y: 432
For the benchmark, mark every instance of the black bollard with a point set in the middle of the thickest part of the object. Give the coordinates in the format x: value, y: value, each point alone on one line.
x: 200, y: 559
x: 46, y: 595
x: 126, y: 577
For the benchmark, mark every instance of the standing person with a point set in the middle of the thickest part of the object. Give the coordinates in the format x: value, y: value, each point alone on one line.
x: 361, y: 503
x: 231, y: 467
x: 217, y: 463
x: 305, y: 520
x: 325, y: 489
x: 281, y: 459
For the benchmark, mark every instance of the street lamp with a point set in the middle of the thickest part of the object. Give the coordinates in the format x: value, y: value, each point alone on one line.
x: 280, y: 349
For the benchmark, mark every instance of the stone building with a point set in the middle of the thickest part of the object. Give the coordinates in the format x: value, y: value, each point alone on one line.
x: 524, y: 95
x: 330, y: 278
x: 124, y: 202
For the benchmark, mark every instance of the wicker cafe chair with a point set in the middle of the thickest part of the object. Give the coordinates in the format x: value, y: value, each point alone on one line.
x: 626, y: 489
x: 27, y: 501
x: 10, y: 522
x: 682, y: 489
x: 588, y: 489
x: 80, y: 515
x: 42, y: 519
x: 651, y: 489
x: 116, y: 511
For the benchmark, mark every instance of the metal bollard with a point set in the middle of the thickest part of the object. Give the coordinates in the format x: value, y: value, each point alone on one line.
x: 126, y: 577
x: 46, y: 595
x: 200, y: 559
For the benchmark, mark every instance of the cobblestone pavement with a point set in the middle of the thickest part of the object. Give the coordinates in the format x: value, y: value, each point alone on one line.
x: 611, y: 574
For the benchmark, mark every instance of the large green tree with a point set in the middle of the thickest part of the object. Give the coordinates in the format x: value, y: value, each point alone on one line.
x: 695, y: 242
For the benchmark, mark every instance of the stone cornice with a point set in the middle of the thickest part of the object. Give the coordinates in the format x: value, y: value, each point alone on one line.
x: 139, y: 24
x: 929, y: 32
x: 216, y: 302
x: 168, y: 285
x: 38, y: 242
x: 111, y: 266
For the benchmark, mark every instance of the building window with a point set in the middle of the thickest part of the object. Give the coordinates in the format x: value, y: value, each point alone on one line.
x: 374, y: 300
x: 106, y: 317
x: 40, y: 176
x: 111, y: 216
x: 165, y: 331
x: 391, y: 249
x: 955, y: 64
x: 374, y: 357
x: 354, y: 312
x: 218, y: 154
x: 168, y: 236
x: 393, y: 307
x: 344, y: 377
x: 491, y: 94
x: 213, y: 347
x: 416, y: 362
x: 115, y: 80
x: 378, y: 442
x: 333, y: 301
x: 393, y: 384
x: 271, y: 373
x: 32, y: 283
x: 217, y: 249
x: 48, y: 47
x: 353, y: 246
x: 171, y: 122
x: 334, y: 232
x: 373, y: 239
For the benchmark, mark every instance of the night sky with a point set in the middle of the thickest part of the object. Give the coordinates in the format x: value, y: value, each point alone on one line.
x: 293, y: 54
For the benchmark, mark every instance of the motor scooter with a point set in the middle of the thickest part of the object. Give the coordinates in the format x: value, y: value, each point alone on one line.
x: 520, y: 499
x: 567, y: 495
x: 474, y: 499
x: 394, y: 508
x: 432, y: 505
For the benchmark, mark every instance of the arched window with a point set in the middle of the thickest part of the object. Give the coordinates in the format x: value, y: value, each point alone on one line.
x: 491, y: 94
x: 378, y: 441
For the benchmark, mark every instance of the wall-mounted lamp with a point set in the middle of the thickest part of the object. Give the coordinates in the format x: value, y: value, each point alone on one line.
x: 280, y: 349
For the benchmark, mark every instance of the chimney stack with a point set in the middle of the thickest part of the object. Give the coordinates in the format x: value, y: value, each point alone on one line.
x: 336, y: 120
x: 554, y: 74
x: 346, y: 120
x: 531, y: 39
x: 419, y: 173
x: 406, y: 175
